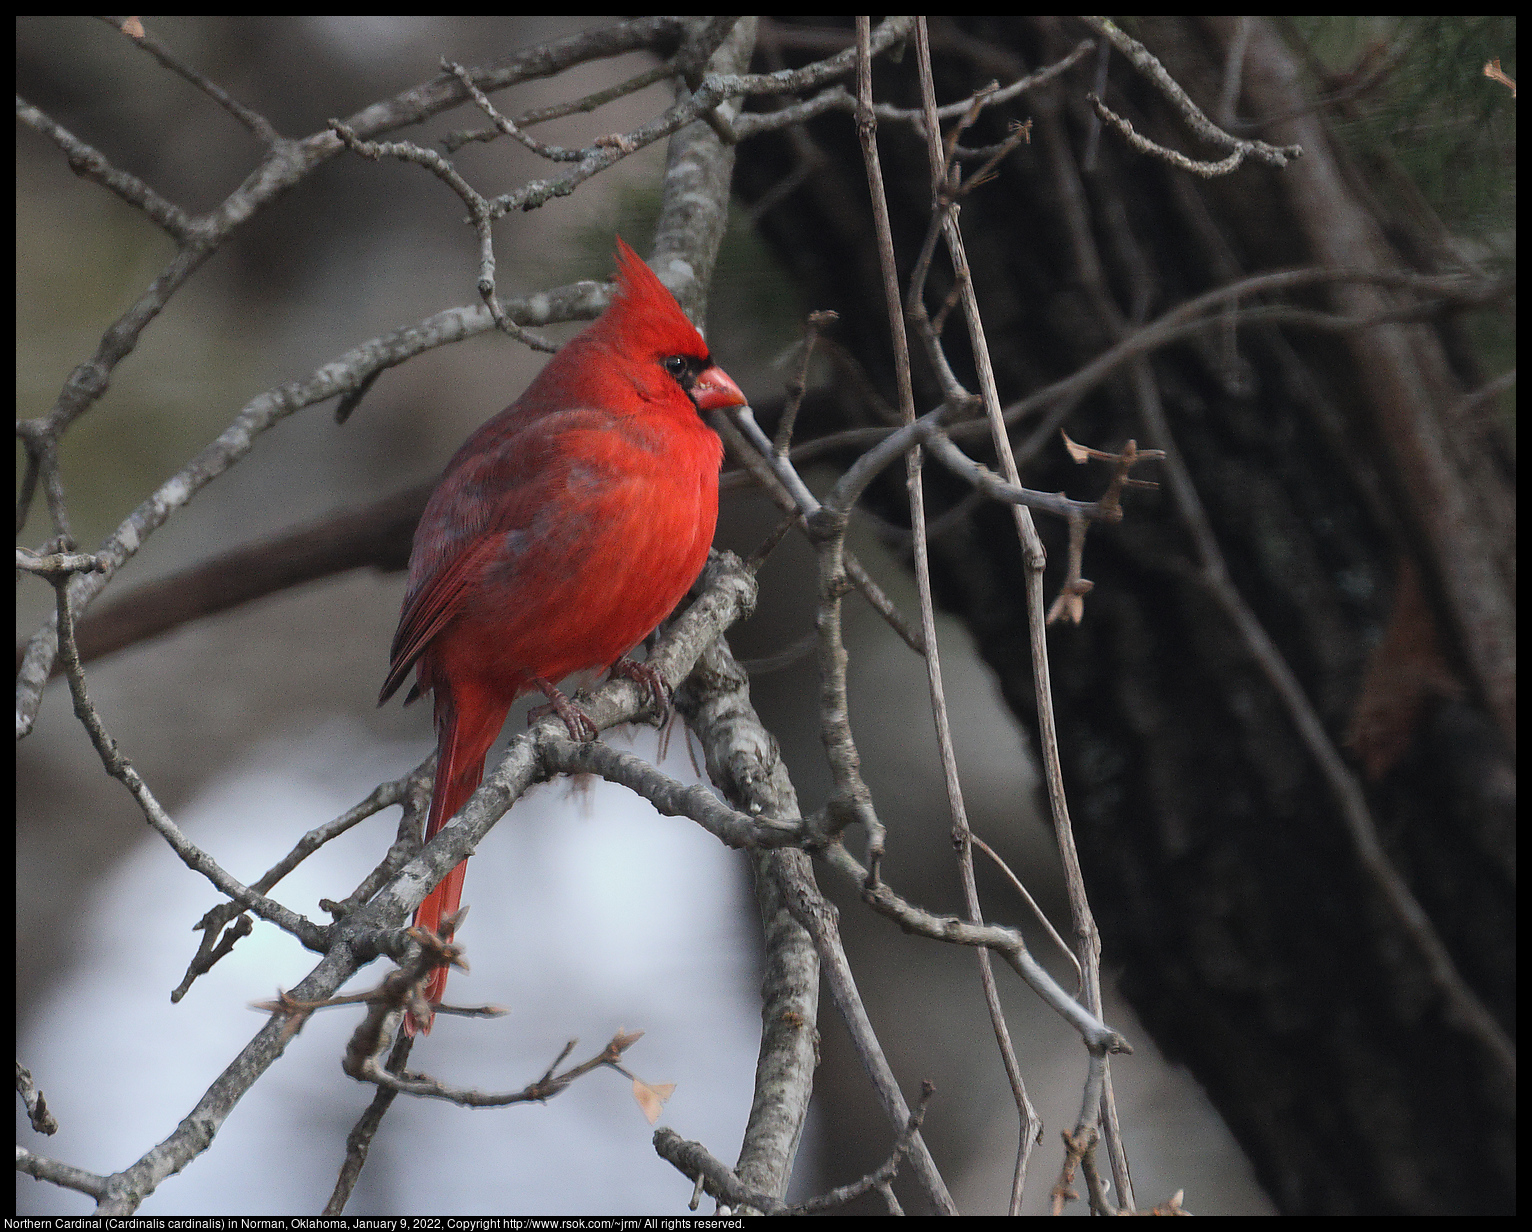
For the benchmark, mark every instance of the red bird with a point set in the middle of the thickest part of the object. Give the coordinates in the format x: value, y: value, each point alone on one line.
x: 560, y: 535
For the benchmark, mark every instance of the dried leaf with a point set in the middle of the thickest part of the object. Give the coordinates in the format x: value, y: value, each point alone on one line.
x: 1070, y: 604
x: 651, y: 1097
x: 1078, y: 452
x: 1406, y: 670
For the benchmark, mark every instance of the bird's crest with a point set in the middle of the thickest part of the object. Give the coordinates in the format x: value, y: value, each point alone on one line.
x: 645, y: 314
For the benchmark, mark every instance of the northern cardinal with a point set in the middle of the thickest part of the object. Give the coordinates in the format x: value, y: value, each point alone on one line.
x: 560, y: 535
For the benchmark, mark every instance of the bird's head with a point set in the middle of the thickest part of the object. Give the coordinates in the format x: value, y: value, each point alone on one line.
x: 659, y: 350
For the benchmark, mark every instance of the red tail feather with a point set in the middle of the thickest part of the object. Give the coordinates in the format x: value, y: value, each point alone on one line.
x: 463, y: 736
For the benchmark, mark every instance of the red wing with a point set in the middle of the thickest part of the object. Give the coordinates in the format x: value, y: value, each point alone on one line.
x: 505, y: 474
x: 427, y: 611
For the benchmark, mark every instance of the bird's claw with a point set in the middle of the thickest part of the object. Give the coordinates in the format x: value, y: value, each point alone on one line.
x: 649, y: 678
x: 581, y: 729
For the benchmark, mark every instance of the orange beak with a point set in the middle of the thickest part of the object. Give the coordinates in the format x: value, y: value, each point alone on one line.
x: 714, y: 389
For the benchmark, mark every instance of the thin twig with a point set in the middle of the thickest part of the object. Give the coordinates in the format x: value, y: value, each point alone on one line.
x: 943, y: 205
x: 1143, y: 60
x: 540, y: 115
x: 359, y: 1140
x: 798, y: 384
x: 259, y: 125
x: 90, y: 163
x: 66, y: 1176
x: 214, y: 947
x: 1006, y: 942
x: 1042, y: 916
x: 800, y: 650
x: 310, y: 934
x: 43, y: 1121
x: 538, y: 1092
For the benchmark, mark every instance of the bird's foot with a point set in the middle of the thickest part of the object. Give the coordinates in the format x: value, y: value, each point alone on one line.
x: 581, y: 729
x: 643, y: 674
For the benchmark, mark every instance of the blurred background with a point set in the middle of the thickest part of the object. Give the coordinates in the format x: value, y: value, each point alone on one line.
x: 590, y: 913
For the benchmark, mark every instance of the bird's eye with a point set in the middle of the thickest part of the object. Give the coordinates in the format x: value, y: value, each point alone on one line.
x: 677, y: 366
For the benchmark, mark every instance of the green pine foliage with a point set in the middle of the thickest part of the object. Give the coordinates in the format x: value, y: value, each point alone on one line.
x: 1411, y: 93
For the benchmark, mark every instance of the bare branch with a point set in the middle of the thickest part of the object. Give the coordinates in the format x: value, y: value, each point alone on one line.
x: 717, y: 1179
x: 456, y: 140
x: 89, y: 163
x: 1145, y: 62
x: 64, y: 1175
x: 215, y: 947
x: 818, y: 917
x: 57, y: 565
x: 258, y: 125
x: 744, y: 762
x: 359, y: 1140
x: 673, y: 799
x: 118, y: 766
x: 43, y: 1121
x: 364, y: 1067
